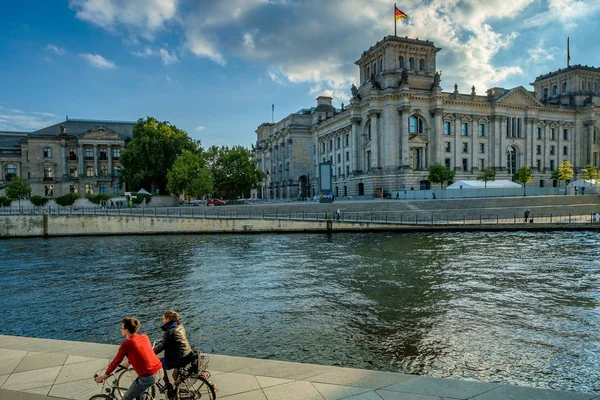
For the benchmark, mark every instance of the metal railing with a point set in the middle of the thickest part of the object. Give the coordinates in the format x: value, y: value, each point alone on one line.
x: 379, y: 217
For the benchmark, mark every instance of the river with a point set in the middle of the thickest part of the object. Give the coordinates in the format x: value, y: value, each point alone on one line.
x: 508, y: 307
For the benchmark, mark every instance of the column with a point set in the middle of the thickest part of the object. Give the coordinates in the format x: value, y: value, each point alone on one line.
x: 354, y: 145
x: 474, y: 146
x: 95, y: 160
x: 590, y: 140
x: 457, y: 147
x: 63, y: 158
x: 436, y: 136
x: 80, y: 158
x: 374, y: 140
x: 404, y: 135
x: 110, y: 160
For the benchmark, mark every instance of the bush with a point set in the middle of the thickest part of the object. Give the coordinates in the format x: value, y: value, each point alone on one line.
x: 4, y: 201
x: 67, y: 200
x: 140, y: 198
x: 38, y: 201
x: 98, y: 198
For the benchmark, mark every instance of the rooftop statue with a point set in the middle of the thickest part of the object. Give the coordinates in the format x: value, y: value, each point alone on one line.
x: 355, y: 93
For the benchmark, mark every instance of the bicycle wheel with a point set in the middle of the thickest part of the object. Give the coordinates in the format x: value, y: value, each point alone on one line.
x: 125, y: 380
x: 195, y: 388
x: 100, y: 397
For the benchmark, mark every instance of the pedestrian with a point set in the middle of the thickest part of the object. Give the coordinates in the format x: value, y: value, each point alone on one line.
x: 397, y: 195
x: 575, y: 190
x: 138, y: 350
x: 338, y: 214
x: 583, y: 190
x: 433, y: 195
x: 527, y: 213
x: 597, y: 217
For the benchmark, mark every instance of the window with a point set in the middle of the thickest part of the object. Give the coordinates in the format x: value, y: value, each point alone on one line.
x: 330, y: 144
x: 347, y: 156
x: 447, y: 162
x: 331, y: 160
x: 538, y: 149
x: 89, y: 154
x: 564, y: 87
x: 551, y: 165
x: 116, y: 188
x: 48, y: 173
x: 400, y: 62
x: 539, y: 133
x: 347, y: 170
x: 447, y: 128
x: 89, y: 171
x: 49, y: 190
x: 565, y: 151
x: 545, y: 93
x: 116, y: 154
x: 73, y: 189
x: 103, y: 155
x: 421, y: 65
x: 554, y: 89
x: 339, y: 171
x: 368, y: 160
x: 447, y: 147
x: 482, y: 147
x: 538, y: 165
x: 103, y: 170
x: 481, y: 131
x: 565, y: 134
x: 465, y: 164
x: 347, y: 138
x: 380, y: 64
x: 551, y: 150
x: 322, y: 147
x: 72, y: 154
x: 339, y: 142
x: 411, y: 63
x: 73, y: 172
x: 11, y: 172
x: 415, y: 124
x: 102, y: 188
x: 464, y: 129
x: 47, y: 152
x: 481, y: 164
x: 116, y: 172
x: 369, y: 132
x: 552, y: 133
x: 339, y: 158
x: 465, y: 147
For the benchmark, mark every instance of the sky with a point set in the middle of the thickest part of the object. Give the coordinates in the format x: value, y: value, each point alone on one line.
x: 215, y: 68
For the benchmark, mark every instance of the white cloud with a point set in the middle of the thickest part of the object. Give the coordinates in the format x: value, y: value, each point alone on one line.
x: 168, y: 58
x: 55, y: 49
x: 169, y: 78
x: 200, y: 128
x: 25, y: 121
x: 147, y: 52
x: 97, y: 61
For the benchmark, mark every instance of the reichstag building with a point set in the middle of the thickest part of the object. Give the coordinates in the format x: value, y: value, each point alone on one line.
x: 399, y: 123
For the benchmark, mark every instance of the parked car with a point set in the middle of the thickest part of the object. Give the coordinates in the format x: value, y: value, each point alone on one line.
x: 197, y: 202
x: 215, y: 202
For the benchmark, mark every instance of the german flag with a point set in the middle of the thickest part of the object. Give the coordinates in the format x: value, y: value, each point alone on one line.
x: 399, y: 14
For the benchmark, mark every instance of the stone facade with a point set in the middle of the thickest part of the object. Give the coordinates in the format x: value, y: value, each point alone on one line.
x: 399, y: 123
x: 75, y: 156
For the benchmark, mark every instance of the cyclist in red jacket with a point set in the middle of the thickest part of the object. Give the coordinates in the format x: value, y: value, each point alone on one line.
x: 138, y: 350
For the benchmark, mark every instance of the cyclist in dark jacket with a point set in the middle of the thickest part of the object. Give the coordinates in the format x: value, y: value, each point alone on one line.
x: 178, y: 351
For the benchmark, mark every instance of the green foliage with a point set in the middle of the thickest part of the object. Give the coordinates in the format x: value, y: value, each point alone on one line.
x: 98, y: 198
x: 189, y: 175
x: 5, y: 201
x: 67, y: 200
x: 17, y: 189
x: 440, y: 174
x: 140, y: 197
x: 590, y: 172
x: 152, y: 152
x: 524, y: 176
x: 564, y: 172
x: 234, y: 171
x: 38, y: 201
x: 487, y: 175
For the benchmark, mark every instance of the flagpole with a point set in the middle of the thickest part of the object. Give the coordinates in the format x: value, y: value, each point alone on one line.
x: 395, y: 20
x: 568, y: 53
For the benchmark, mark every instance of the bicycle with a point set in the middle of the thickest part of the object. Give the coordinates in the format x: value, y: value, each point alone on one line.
x: 191, y: 382
x: 118, y: 385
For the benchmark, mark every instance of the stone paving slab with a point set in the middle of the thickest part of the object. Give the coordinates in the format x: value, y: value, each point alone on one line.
x: 45, y: 369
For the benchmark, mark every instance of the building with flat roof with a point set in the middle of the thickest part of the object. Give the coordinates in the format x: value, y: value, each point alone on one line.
x: 399, y: 123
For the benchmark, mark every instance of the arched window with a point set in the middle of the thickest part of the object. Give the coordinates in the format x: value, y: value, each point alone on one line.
x: 400, y: 62
x: 411, y: 63
x: 545, y: 93
x: 11, y: 171
x: 375, y: 68
x: 415, y: 124
x: 368, y: 74
x: 369, y: 131
x: 564, y: 87
x: 511, y: 160
x: 380, y: 64
x: 421, y: 65
x: 554, y: 89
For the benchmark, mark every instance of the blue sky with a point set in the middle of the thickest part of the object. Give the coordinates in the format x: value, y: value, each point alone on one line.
x: 213, y: 68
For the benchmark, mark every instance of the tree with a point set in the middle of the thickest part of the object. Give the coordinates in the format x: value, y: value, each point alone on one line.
x: 590, y: 172
x: 563, y: 173
x: 487, y: 175
x: 189, y: 175
x: 151, y: 153
x: 18, y: 189
x: 234, y: 170
x: 440, y: 174
x: 524, y: 176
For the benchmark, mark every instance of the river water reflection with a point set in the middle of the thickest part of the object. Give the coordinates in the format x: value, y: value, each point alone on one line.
x: 500, y: 307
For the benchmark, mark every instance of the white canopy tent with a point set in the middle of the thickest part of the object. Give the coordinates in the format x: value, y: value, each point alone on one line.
x: 143, y: 191
x: 499, y: 184
x: 585, y: 182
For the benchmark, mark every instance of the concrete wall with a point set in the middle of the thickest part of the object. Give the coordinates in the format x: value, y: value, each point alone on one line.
x: 21, y: 225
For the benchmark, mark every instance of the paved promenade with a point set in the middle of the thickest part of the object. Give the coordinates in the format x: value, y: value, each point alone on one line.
x: 44, y: 369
